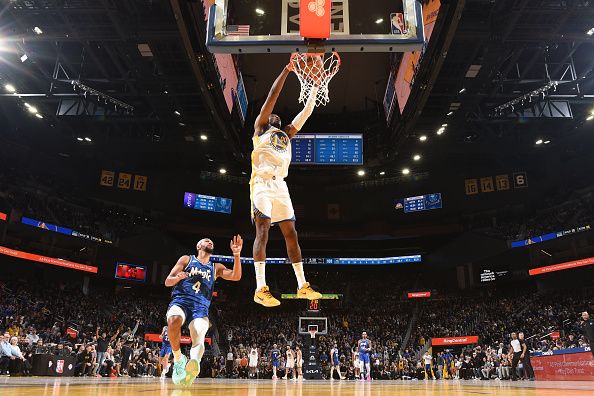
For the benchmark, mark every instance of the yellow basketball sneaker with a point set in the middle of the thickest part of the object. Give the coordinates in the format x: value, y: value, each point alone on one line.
x: 307, y: 292
x: 265, y: 298
x: 192, y: 371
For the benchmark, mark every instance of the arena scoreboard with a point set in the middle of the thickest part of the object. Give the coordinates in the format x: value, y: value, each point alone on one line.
x: 327, y: 149
x: 419, y: 203
x: 207, y: 203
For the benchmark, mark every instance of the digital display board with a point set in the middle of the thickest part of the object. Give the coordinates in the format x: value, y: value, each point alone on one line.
x: 62, y: 230
x: 130, y: 272
x: 488, y: 275
x: 332, y: 261
x: 549, y: 236
x: 327, y: 149
x: 419, y: 203
x: 207, y: 203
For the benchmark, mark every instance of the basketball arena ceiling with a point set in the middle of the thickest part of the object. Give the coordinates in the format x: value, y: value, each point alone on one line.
x: 139, y: 54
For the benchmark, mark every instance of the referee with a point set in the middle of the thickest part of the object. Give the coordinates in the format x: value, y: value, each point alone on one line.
x: 588, y: 326
x: 517, y: 350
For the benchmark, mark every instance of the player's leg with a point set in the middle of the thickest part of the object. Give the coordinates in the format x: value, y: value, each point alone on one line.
x: 198, y: 328
x: 332, y: 372
x: 261, y: 212
x: 175, y: 320
x: 368, y: 368
x: 304, y: 290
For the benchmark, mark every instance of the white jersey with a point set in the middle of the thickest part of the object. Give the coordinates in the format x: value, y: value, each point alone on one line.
x: 271, y: 155
x: 253, y: 357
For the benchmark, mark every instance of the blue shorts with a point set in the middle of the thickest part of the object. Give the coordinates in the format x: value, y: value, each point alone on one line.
x: 191, y: 309
x: 364, y: 357
x: 275, y: 363
x: 165, y: 349
x: 335, y: 362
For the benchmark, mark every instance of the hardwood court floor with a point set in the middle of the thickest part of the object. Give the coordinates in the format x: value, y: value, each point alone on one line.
x: 44, y: 386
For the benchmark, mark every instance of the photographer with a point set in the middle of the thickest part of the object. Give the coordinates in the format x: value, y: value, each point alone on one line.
x: 588, y: 328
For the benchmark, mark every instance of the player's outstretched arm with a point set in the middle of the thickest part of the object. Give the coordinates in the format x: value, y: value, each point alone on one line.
x: 177, y: 272
x: 294, y: 127
x: 235, y: 274
x: 268, y: 106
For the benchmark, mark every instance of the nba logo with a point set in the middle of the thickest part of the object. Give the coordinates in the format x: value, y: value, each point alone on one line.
x: 60, y: 366
x: 314, y: 18
x: 398, y: 23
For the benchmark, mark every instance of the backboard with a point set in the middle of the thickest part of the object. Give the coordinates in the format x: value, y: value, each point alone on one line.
x: 247, y: 26
x: 308, y: 322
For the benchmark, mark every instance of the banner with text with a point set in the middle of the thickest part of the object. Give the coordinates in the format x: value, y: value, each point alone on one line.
x: 561, y: 266
x: 47, y: 260
x: 426, y: 294
x: 570, y: 365
x: 462, y: 340
x: 184, y: 339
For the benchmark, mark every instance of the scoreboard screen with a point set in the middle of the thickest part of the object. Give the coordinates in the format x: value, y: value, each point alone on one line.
x: 130, y: 272
x: 419, y: 203
x: 327, y: 149
x: 207, y: 203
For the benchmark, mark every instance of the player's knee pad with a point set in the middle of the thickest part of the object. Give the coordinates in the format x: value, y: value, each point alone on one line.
x: 176, y: 311
x: 198, y: 328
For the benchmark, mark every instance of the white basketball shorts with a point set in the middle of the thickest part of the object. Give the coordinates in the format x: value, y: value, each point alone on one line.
x: 271, y: 200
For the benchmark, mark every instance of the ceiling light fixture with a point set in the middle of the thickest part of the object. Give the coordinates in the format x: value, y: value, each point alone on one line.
x: 223, y: 171
x: 88, y: 139
x: 260, y: 11
x: 444, y: 125
x: 24, y: 58
x: 416, y: 157
x: 361, y: 172
x: 37, y: 30
x: 441, y: 130
x: 590, y: 32
x: 32, y: 109
x: 405, y: 171
x: 590, y: 117
x: 462, y: 90
x: 382, y: 173
x: 422, y: 138
x: 450, y: 113
x: 539, y: 141
x: 176, y: 113
x: 79, y: 139
x: 203, y: 137
x: 378, y: 21
x: 547, y: 141
x: 38, y: 116
x: 10, y: 88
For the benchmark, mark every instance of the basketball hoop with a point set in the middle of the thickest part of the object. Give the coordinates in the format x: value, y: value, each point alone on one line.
x: 312, y: 330
x: 312, y: 333
x: 315, y: 69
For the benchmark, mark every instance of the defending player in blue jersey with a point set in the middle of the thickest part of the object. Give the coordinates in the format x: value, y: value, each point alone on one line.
x: 165, y: 352
x: 192, y: 279
x: 275, y: 356
x: 364, y: 351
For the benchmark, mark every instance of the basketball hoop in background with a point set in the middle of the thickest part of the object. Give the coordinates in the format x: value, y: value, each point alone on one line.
x: 315, y: 70
x: 312, y: 330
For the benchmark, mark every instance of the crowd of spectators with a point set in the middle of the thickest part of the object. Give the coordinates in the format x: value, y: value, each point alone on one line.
x: 558, y: 213
x: 105, y: 330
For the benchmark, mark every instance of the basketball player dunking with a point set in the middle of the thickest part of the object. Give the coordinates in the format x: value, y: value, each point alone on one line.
x: 164, y: 352
x: 364, y: 361
x: 271, y: 202
x: 192, y: 279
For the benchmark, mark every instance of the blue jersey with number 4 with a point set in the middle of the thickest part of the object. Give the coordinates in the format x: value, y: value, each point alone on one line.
x: 194, y: 293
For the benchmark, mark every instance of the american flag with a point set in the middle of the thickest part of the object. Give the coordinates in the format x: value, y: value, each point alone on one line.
x: 238, y: 30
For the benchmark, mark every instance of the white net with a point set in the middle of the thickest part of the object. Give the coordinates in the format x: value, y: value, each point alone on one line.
x: 315, y: 70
